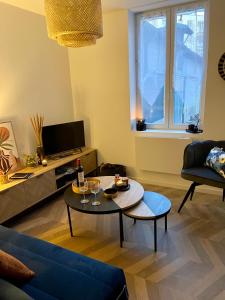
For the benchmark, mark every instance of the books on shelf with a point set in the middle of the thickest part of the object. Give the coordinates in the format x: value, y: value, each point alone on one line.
x: 21, y: 175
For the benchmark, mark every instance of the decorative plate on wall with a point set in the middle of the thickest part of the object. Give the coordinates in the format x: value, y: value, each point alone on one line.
x: 221, y: 66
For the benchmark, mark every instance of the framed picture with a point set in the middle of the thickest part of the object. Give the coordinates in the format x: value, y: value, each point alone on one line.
x: 8, y: 150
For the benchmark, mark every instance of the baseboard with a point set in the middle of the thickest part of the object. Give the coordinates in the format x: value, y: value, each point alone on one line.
x: 181, y: 186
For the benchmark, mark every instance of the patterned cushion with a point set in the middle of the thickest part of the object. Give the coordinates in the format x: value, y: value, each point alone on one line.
x: 216, y: 160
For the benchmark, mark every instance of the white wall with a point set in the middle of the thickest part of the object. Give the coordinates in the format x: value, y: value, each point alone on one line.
x: 100, y: 84
x: 34, y: 74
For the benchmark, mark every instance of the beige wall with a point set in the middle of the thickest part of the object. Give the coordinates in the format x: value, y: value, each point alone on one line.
x: 36, y: 6
x: 100, y: 83
x: 215, y: 86
x: 34, y: 74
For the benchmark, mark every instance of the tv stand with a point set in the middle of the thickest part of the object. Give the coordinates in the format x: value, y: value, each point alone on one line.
x: 19, y: 195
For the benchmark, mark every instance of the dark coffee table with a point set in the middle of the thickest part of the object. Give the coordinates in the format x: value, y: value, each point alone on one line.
x: 123, y: 201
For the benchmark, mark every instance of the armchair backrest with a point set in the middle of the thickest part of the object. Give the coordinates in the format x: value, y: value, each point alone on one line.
x: 195, y: 153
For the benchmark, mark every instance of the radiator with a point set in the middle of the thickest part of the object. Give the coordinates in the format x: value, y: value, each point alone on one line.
x: 164, y: 155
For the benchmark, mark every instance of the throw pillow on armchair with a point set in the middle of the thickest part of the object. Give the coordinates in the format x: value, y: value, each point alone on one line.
x: 216, y: 160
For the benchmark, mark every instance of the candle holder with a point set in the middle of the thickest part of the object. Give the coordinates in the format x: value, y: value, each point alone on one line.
x: 140, y: 125
x: 40, y: 154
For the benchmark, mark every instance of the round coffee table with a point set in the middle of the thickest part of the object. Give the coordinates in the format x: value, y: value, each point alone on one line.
x: 153, y: 207
x: 123, y: 201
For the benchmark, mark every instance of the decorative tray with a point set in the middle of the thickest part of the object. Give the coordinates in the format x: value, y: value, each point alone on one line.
x: 198, y: 131
x: 121, y: 188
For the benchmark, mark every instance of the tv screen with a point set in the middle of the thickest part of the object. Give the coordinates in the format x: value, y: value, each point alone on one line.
x: 63, y: 137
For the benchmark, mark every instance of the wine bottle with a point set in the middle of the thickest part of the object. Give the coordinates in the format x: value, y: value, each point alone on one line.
x: 79, y: 173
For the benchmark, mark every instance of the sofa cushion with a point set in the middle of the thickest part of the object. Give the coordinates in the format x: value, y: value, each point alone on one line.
x: 216, y: 160
x: 203, y: 175
x: 13, y: 269
x: 8, y: 291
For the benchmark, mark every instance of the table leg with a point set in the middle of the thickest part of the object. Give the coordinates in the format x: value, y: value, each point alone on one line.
x: 155, y: 234
x: 121, y: 229
x: 134, y: 221
x: 69, y: 219
x: 165, y: 222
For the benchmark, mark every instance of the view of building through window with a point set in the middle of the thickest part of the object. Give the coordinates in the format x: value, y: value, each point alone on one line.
x: 171, y: 77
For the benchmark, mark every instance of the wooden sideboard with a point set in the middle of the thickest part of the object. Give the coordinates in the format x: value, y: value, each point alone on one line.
x: 18, y: 195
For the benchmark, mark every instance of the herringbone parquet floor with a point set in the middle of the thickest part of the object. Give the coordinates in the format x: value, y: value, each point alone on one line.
x: 189, y: 264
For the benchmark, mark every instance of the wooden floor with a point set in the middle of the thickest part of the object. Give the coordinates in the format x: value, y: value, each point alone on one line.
x: 189, y: 264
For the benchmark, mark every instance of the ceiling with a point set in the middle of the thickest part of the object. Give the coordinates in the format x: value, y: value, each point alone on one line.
x: 37, y: 6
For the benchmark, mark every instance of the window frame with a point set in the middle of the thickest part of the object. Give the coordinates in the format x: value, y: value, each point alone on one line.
x: 170, y: 13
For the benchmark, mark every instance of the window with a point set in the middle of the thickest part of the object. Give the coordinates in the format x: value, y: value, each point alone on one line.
x: 171, y: 52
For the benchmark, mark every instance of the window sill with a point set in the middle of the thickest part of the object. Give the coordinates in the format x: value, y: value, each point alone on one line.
x: 163, y: 133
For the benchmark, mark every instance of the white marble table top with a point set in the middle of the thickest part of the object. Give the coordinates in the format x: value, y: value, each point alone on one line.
x: 125, y: 199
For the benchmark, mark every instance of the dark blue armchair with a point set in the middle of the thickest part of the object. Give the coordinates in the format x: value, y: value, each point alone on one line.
x: 194, y: 168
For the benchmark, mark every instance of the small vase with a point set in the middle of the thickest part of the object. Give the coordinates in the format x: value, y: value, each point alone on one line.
x: 4, y: 179
x: 40, y: 154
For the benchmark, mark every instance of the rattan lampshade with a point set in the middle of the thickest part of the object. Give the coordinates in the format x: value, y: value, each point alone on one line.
x: 74, y: 23
x: 74, y: 43
x: 76, y: 40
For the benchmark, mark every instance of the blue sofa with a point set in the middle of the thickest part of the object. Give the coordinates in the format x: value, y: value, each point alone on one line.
x: 62, y: 274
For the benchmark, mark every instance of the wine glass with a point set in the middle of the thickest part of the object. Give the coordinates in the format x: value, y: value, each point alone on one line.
x: 95, y: 188
x: 83, y: 188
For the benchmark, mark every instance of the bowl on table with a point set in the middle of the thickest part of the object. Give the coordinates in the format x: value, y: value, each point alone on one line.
x: 110, y: 193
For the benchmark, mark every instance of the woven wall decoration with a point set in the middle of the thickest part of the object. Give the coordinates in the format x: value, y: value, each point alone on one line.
x: 221, y: 66
x: 74, y: 23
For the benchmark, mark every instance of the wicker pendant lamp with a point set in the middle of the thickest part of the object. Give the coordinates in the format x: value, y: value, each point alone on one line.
x: 74, y: 23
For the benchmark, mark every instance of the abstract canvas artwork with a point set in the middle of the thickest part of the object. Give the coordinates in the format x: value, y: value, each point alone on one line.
x: 8, y: 149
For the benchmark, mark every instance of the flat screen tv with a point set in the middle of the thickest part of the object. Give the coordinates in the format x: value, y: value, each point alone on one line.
x: 62, y: 138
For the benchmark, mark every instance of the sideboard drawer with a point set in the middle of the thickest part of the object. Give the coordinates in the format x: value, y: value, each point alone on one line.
x: 17, y: 196
x: 39, y: 187
x: 89, y: 162
x: 12, y: 202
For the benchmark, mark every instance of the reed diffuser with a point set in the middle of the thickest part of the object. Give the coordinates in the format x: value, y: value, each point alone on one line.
x: 37, y: 124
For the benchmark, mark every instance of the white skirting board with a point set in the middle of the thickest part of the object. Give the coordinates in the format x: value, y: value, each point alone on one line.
x: 177, y: 183
x: 164, y: 155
